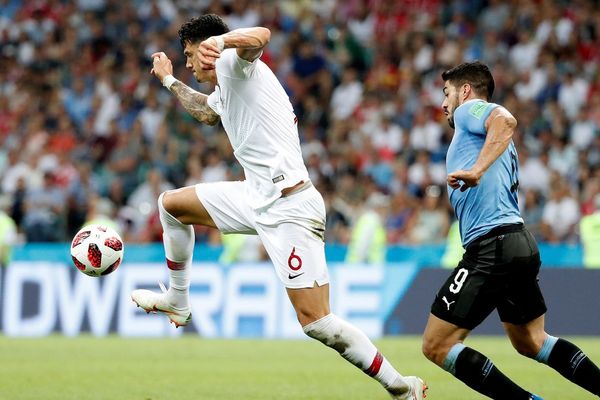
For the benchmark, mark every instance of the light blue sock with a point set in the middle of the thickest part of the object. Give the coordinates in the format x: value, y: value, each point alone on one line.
x: 449, y: 363
x: 546, y: 349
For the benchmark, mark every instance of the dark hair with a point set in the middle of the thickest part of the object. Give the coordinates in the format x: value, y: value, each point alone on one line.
x: 476, y: 74
x: 201, y: 28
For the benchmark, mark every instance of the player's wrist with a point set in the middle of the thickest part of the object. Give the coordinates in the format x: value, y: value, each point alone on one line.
x: 220, y: 42
x: 168, y: 81
x: 477, y: 171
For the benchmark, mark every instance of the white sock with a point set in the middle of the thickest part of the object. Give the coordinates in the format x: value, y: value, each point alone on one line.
x: 178, y: 240
x: 355, y: 346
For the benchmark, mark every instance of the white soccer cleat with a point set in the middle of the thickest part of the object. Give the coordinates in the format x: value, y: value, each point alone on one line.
x: 157, y: 302
x: 417, y: 389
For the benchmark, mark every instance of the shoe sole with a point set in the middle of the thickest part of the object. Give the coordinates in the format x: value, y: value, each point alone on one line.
x: 169, y: 314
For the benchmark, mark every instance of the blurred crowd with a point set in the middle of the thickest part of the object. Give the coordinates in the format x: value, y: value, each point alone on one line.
x: 88, y: 134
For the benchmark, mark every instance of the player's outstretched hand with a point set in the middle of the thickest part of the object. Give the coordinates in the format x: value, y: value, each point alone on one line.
x: 208, y: 52
x: 469, y: 179
x: 161, y: 65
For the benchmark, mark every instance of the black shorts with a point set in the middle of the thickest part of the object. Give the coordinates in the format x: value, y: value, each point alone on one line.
x: 498, y: 270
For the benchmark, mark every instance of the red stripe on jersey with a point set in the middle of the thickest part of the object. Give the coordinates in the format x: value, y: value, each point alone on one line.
x: 175, y: 266
x: 375, y: 365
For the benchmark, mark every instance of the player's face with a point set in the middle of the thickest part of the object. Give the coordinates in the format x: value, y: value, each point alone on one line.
x: 192, y: 63
x: 450, y: 102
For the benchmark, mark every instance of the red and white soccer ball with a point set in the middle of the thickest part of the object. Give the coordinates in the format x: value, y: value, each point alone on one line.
x: 97, y: 250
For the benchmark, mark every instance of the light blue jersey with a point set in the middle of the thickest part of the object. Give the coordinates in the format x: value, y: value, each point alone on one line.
x: 493, y: 202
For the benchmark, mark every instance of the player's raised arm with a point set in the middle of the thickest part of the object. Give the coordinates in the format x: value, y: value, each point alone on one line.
x: 249, y: 43
x: 500, y: 127
x: 193, y: 101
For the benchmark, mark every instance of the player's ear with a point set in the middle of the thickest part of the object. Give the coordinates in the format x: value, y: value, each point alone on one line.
x: 466, y: 89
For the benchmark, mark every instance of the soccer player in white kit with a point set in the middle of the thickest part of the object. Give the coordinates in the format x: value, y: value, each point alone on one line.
x: 276, y: 201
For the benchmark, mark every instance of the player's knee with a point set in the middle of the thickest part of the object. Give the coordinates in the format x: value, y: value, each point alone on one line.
x: 527, y: 348
x: 324, y: 329
x: 307, y: 315
x: 176, y: 204
x: 435, y: 350
x: 430, y: 351
x: 169, y: 203
x: 528, y: 344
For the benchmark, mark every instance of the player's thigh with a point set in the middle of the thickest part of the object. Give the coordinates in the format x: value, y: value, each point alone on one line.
x: 292, y: 232
x: 521, y: 299
x: 184, y: 205
x: 297, y: 255
x: 224, y: 203
x: 527, y: 338
x: 310, y: 304
x: 469, y: 294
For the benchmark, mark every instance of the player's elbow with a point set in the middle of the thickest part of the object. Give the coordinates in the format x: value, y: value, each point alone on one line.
x: 211, y: 120
x: 506, y: 129
x: 264, y: 35
x: 511, y: 122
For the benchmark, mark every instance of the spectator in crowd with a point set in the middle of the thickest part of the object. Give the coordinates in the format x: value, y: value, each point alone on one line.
x: 453, y: 252
x: 101, y: 212
x: 400, y: 214
x: 8, y: 231
x: 532, y: 212
x: 590, y: 236
x: 368, y: 239
x: 239, y: 248
x: 44, y: 212
x: 431, y: 222
x: 589, y: 195
x: 561, y: 213
x: 142, y: 198
x: 347, y: 95
x: 534, y: 172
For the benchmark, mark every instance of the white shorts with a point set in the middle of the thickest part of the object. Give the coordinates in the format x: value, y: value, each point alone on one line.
x: 292, y: 229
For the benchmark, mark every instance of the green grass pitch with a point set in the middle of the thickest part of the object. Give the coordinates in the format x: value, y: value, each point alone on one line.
x: 192, y: 368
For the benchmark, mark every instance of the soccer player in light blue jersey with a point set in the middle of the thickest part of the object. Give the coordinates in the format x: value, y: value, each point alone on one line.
x: 500, y: 267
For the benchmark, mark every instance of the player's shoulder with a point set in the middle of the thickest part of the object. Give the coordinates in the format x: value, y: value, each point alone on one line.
x: 475, y: 109
x: 231, y: 64
x: 227, y: 57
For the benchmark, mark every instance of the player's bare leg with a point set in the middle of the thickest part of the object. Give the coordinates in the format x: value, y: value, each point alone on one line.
x: 184, y: 205
x: 531, y: 340
x: 179, y: 210
x: 312, y: 309
x: 527, y: 339
x: 443, y: 345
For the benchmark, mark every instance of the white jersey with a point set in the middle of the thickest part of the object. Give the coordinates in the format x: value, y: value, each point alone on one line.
x: 261, y: 125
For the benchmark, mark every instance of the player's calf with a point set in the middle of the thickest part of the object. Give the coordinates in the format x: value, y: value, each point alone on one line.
x: 354, y: 346
x: 480, y: 374
x: 570, y: 362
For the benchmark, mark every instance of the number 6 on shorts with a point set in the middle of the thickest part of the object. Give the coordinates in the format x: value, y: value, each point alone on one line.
x: 459, y: 280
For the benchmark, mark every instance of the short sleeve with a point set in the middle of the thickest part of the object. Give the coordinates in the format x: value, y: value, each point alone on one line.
x: 214, y: 101
x: 233, y: 66
x: 473, y: 115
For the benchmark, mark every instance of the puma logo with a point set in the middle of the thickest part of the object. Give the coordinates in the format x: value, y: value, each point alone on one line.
x: 448, y: 303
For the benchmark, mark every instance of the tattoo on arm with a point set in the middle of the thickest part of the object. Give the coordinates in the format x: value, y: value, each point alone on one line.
x: 195, y: 103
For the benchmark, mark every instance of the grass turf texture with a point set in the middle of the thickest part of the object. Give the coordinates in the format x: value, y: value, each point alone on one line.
x: 193, y: 368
